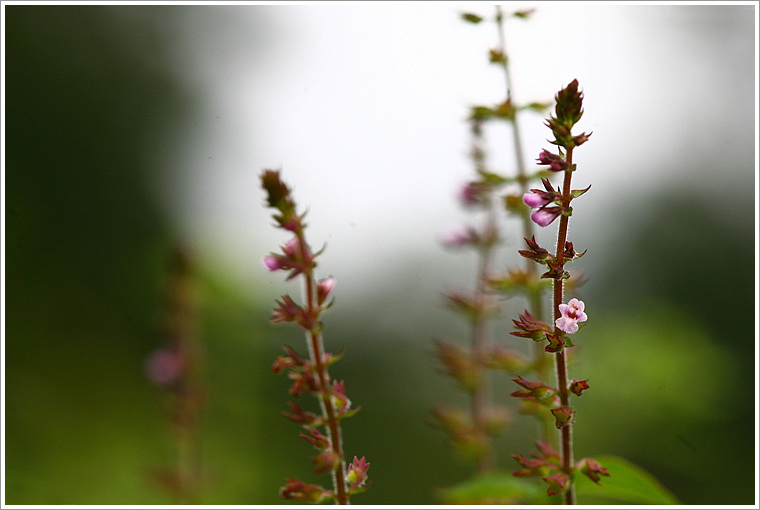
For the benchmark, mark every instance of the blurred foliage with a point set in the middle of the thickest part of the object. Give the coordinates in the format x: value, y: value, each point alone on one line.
x: 667, y: 351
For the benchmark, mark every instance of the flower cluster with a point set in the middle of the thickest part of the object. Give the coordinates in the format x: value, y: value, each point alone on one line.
x: 310, y: 374
x: 546, y: 464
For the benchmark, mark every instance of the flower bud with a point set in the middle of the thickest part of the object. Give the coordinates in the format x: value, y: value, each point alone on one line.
x: 592, y: 469
x: 319, y: 440
x: 578, y: 387
x: 326, y: 461
x: 324, y: 289
x: 563, y: 416
x: 545, y: 216
x: 536, y: 200
x: 300, y: 491
x: 357, y: 473
x: 558, y: 483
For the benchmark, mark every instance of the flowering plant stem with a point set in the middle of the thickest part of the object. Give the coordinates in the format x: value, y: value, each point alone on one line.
x: 311, y: 375
x: 560, y: 359
x: 316, y: 352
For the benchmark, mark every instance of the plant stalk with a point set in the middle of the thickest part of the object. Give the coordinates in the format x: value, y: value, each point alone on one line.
x: 316, y: 350
x: 560, y: 359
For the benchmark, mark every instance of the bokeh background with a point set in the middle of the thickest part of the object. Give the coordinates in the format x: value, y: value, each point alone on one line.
x: 132, y: 129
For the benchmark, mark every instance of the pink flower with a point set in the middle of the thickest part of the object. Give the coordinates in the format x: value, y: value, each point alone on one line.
x: 572, y: 314
x: 472, y: 194
x: 164, y: 367
x: 324, y: 289
x: 544, y: 216
x: 272, y: 263
x: 456, y: 237
x: 536, y: 199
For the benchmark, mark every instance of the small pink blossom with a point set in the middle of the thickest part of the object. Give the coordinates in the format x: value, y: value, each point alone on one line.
x: 272, y: 263
x: 324, y: 289
x: 456, y: 237
x: 163, y: 367
x: 535, y: 200
x: 544, y: 216
x: 572, y: 314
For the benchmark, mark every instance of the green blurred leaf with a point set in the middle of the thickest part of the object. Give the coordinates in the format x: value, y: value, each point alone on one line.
x: 627, y: 484
x: 472, y: 18
x: 496, y: 489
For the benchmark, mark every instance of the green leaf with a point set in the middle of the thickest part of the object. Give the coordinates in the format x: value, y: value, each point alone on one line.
x: 627, y: 484
x: 523, y: 14
x: 497, y: 489
x: 472, y: 18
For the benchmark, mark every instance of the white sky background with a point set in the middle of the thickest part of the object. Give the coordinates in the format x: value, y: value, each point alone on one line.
x: 363, y: 107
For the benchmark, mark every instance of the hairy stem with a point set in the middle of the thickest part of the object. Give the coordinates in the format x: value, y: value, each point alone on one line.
x: 316, y: 351
x: 561, y: 363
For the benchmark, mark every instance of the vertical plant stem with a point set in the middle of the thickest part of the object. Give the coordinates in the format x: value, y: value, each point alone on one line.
x: 316, y: 350
x: 561, y: 362
x: 480, y: 341
x: 540, y: 358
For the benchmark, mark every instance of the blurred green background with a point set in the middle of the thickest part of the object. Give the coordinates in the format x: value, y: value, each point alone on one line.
x: 90, y: 94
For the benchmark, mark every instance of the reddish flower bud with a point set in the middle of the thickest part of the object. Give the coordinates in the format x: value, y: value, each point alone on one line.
x: 324, y: 289
x: 357, y: 473
x: 578, y: 387
x: 537, y: 199
x: 272, y: 263
x: 338, y: 397
x: 556, y: 342
x: 558, y: 483
x: 592, y: 469
x: 534, y: 251
x: 326, y: 461
x: 534, y: 389
x: 530, y: 327
x: 556, y: 163
x: 545, y: 216
x: 563, y: 416
x: 300, y: 491
x: 298, y: 415
x: 319, y: 440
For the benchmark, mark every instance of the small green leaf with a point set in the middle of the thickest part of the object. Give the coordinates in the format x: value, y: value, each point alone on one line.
x: 523, y: 14
x: 472, y: 18
x: 497, y: 489
x: 536, y: 106
x: 627, y: 484
x: 481, y: 113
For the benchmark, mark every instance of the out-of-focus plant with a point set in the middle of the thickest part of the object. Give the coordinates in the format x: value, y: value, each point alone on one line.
x: 178, y: 368
x: 310, y: 374
x: 472, y: 433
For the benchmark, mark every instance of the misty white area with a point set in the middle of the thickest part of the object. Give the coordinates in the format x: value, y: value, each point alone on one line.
x: 363, y: 106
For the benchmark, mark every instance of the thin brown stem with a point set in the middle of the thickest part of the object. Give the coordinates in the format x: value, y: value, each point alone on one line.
x: 561, y: 363
x: 316, y: 350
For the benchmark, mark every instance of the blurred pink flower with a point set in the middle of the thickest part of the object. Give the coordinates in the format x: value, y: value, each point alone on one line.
x: 163, y: 367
